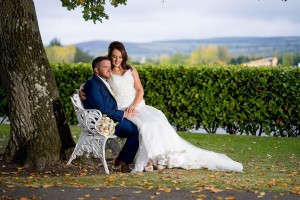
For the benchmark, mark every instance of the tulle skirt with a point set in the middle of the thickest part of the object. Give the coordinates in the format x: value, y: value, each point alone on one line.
x: 160, y: 144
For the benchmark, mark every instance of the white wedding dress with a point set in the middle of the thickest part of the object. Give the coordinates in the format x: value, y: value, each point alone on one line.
x: 159, y: 142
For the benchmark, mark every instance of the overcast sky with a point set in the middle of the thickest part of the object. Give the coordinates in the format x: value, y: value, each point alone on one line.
x: 153, y: 20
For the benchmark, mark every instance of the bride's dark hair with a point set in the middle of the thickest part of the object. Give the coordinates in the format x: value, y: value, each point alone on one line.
x: 119, y: 46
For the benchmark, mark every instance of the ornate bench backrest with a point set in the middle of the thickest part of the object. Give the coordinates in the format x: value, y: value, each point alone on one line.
x: 79, y: 110
x: 87, y: 118
x: 77, y: 103
x: 76, y: 99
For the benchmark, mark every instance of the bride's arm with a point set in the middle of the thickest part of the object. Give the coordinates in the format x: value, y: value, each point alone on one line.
x: 139, y: 89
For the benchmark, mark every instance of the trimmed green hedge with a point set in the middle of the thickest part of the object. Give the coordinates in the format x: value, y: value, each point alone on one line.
x: 240, y: 99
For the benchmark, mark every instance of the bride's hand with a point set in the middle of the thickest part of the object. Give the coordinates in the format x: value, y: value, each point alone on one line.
x: 130, y: 109
x: 130, y: 114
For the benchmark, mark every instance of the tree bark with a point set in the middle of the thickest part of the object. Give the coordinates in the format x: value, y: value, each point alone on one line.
x: 39, y: 130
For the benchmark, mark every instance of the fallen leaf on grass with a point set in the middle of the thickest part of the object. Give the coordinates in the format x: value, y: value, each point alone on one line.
x: 10, y: 186
x: 56, y: 184
x: 296, y: 189
x: 83, y: 174
x: 149, y: 187
x: 110, y: 179
x: 167, y: 190
x: 160, y: 187
x: 137, y: 175
x: 293, y: 174
x: 261, y: 194
x: 47, y: 186
x: 231, y: 150
x: 123, y: 184
x: 30, y: 185
x: 34, y: 197
x: 67, y: 174
x: 229, y: 198
x: 200, y: 189
x: 213, y: 189
x: 211, y: 176
x: 201, y: 196
x: 87, y: 195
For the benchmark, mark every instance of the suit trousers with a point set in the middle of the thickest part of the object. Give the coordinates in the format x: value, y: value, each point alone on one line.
x: 126, y: 129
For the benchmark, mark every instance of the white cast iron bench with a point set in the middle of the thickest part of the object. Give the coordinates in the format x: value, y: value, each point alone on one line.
x: 90, y: 140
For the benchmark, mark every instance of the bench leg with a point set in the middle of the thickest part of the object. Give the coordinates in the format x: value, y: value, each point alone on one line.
x: 90, y: 144
x: 99, y: 151
x: 103, y: 158
x: 78, y: 151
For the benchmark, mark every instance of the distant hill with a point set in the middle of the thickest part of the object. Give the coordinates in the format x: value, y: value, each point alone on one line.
x: 250, y: 46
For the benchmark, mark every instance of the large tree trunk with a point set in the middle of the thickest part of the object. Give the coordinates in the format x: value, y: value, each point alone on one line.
x: 39, y: 130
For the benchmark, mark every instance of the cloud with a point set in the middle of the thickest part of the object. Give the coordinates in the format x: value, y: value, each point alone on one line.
x: 144, y: 20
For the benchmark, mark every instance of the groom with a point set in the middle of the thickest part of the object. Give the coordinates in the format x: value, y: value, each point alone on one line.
x: 99, y: 96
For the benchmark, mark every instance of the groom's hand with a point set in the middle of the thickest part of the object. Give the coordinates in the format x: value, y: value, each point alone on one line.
x: 82, y: 95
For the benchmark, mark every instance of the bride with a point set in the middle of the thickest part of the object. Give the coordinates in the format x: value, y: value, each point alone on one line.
x: 160, y: 145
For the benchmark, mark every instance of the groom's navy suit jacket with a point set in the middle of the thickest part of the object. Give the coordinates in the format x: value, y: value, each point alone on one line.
x: 99, y: 97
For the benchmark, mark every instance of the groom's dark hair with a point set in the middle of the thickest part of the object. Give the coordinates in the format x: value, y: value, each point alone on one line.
x: 98, y: 60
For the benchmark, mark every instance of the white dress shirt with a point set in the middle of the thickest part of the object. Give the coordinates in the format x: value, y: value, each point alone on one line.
x: 107, y: 85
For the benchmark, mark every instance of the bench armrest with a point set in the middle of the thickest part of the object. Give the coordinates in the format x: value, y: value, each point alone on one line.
x: 91, y: 117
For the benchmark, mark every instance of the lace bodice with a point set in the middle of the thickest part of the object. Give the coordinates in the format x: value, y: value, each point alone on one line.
x: 123, y: 89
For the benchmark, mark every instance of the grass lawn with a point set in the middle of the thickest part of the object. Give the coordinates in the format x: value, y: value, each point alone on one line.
x: 270, y: 164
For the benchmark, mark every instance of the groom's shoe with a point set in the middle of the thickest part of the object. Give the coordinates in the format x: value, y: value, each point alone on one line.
x: 118, y: 162
x: 124, y: 168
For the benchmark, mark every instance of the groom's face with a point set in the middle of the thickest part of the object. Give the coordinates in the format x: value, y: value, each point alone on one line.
x: 104, y: 69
